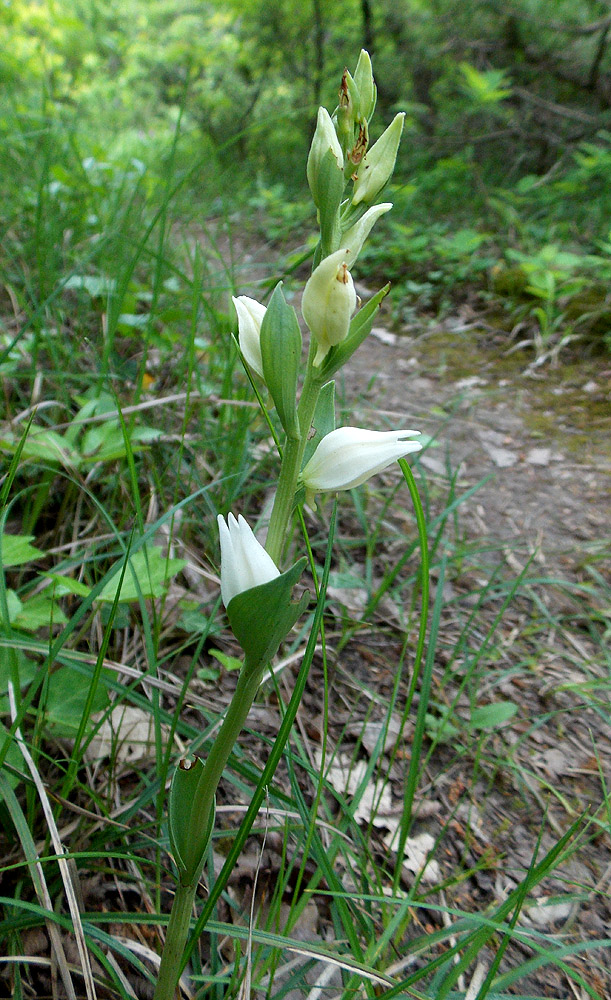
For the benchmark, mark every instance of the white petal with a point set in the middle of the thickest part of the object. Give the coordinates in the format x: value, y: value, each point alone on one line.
x: 261, y: 568
x: 244, y: 561
x: 230, y: 585
x: 348, y: 456
x: 250, y: 316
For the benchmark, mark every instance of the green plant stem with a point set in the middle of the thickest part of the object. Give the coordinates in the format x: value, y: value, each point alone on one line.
x: 220, y: 751
x: 178, y: 926
x: 275, y: 754
x: 291, y: 464
x: 176, y: 936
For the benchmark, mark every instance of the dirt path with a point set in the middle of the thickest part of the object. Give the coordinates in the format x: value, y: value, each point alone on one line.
x: 544, y: 440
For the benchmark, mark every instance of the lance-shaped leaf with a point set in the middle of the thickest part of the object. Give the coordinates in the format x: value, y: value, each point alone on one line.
x: 360, y: 328
x: 376, y: 167
x: 330, y: 188
x: 189, y: 831
x: 323, y: 421
x: 263, y: 616
x: 281, y: 354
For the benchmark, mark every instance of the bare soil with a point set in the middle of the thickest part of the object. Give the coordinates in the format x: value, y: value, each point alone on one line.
x: 539, y: 447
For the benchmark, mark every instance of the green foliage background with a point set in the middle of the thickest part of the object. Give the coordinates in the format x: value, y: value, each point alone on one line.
x: 507, y: 144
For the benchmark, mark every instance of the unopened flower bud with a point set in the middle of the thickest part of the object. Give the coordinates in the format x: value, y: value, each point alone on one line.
x: 363, y: 78
x: 329, y: 299
x: 376, y: 167
x: 325, y: 139
x: 348, y: 456
x: 347, y: 111
x: 244, y: 561
x: 250, y: 316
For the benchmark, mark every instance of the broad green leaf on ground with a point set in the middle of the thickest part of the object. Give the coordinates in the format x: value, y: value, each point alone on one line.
x: 16, y: 550
x: 67, y: 694
x: 228, y: 662
x: 98, y: 286
x: 13, y: 608
x: 491, y: 716
x: 12, y: 760
x: 63, y: 585
x: 26, y: 669
x: 39, y: 612
x: 44, y: 444
x: 146, y: 575
x: 106, y: 441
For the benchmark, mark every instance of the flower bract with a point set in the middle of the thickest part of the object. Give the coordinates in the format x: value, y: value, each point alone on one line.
x: 376, y: 167
x: 244, y: 561
x: 348, y: 456
x: 354, y: 238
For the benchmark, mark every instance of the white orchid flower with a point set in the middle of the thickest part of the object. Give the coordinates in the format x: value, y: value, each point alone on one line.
x: 250, y: 316
x: 329, y: 299
x: 244, y: 561
x: 348, y: 456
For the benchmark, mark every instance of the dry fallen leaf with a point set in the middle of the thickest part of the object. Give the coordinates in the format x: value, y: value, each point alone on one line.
x: 416, y: 851
x: 543, y: 913
x: 128, y: 734
x: 345, y: 776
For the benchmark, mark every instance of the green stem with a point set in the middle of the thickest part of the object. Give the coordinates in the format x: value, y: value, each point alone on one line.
x: 176, y: 936
x: 178, y: 926
x: 291, y: 463
x: 220, y: 751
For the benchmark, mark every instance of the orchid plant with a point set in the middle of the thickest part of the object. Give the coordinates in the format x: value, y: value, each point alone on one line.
x: 346, y: 178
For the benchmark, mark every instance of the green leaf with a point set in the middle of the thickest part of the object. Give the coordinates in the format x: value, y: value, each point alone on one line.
x: 40, y: 611
x: 228, y: 662
x: 43, y: 444
x: 330, y: 185
x: 26, y: 669
x: 360, y: 328
x: 323, y: 421
x: 491, y: 716
x: 263, y: 616
x: 194, y: 619
x: 16, y: 550
x: 67, y: 693
x: 13, y: 759
x: 106, y: 441
x: 146, y: 575
x: 64, y: 585
x: 97, y: 286
x: 13, y: 607
x: 187, y: 848
x: 281, y: 355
